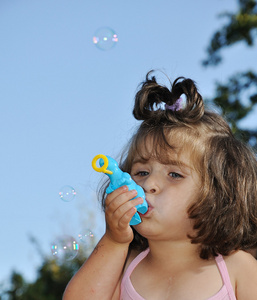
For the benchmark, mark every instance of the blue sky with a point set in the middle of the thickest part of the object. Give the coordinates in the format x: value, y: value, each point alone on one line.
x: 63, y: 101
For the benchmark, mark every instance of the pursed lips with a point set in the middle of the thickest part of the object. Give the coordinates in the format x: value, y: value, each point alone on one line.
x: 150, y: 208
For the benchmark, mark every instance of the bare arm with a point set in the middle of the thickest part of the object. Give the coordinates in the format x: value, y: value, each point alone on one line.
x: 100, y: 274
x: 99, y: 277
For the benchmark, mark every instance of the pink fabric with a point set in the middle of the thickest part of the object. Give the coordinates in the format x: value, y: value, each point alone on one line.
x: 129, y: 293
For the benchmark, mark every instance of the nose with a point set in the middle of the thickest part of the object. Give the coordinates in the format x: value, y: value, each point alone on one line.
x: 151, y: 184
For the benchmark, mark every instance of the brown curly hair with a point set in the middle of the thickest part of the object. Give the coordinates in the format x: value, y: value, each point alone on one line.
x: 225, y: 213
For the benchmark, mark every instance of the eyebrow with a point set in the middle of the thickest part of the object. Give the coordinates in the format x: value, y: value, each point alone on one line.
x: 139, y: 160
x: 169, y: 162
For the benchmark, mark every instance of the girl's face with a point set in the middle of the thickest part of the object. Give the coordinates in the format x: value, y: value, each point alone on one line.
x: 170, y: 189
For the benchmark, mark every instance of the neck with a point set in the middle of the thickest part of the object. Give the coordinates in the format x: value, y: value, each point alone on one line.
x: 163, y: 252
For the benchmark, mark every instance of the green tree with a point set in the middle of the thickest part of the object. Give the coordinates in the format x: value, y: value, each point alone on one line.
x: 238, y: 95
x: 16, y: 289
x: 52, y: 277
x: 241, y: 26
x: 55, y: 271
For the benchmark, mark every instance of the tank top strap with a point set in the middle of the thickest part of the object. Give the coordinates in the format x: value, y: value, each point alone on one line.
x: 135, y: 262
x: 225, y: 275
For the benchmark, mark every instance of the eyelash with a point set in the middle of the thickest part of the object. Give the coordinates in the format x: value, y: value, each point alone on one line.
x: 140, y: 173
x: 174, y: 175
x: 177, y: 175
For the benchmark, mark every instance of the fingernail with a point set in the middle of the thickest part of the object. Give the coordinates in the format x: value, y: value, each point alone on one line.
x: 134, y: 192
x: 124, y: 188
x: 140, y: 200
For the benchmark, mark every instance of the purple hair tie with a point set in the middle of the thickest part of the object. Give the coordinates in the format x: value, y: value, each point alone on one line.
x: 176, y: 106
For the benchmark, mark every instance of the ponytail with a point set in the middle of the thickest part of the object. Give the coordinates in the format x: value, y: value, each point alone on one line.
x: 149, y: 98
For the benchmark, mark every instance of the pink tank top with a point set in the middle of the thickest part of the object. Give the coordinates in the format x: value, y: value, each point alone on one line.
x: 129, y: 293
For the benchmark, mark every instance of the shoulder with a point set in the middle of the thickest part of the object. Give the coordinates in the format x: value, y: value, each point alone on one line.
x: 242, y: 268
x: 134, y: 258
x: 131, y: 256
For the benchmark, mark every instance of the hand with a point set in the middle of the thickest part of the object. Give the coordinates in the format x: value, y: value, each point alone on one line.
x: 119, y: 210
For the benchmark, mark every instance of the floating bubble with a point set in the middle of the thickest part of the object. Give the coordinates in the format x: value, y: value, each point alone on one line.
x: 67, y: 193
x: 105, y: 38
x: 65, y: 248
x: 86, y: 236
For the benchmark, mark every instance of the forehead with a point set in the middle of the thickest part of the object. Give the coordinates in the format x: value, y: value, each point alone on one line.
x: 166, y: 151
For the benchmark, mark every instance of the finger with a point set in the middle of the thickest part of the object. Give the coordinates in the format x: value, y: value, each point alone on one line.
x: 120, y: 200
x: 110, y: 197
x: 126, y: 218
x: 126, y: 210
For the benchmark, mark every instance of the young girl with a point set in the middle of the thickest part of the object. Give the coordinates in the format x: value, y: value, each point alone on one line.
x: 201, y: 188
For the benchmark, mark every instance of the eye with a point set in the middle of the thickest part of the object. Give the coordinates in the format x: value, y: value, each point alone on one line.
x: 141, y: 173
x: 175, y: 175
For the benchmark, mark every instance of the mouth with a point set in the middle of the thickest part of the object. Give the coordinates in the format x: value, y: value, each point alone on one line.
x: 150, y: 208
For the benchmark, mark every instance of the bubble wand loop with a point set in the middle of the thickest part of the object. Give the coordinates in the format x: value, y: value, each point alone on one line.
x: 105, y: 165
x: 118, y: 178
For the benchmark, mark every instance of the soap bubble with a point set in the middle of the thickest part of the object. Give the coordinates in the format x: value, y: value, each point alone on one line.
x: 86, y: 236
x: 67, y: 193
x: 105, y: 38
x: 65, y: 248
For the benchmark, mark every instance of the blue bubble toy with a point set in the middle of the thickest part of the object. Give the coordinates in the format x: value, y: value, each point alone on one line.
x: 118, y: 178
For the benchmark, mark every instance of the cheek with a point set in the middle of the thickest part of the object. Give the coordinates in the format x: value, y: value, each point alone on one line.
x: 190, y: 193
x: 174, y: 206
x: 177, y: 203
